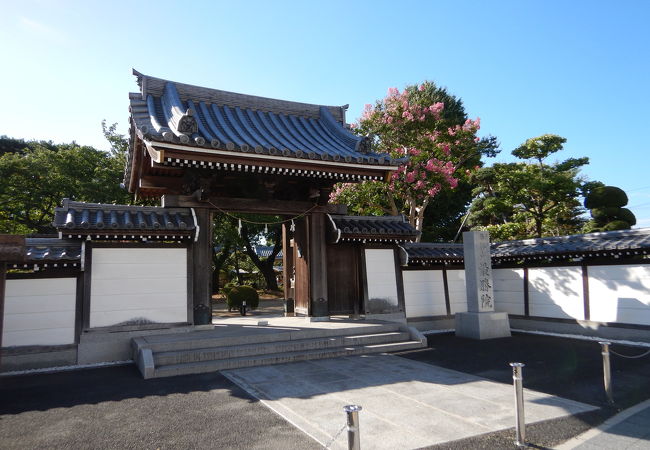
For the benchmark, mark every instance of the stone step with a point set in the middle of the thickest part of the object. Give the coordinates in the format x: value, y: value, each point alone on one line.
x: 279, y: 358
x: 215, y: 338
x: 236, y: 351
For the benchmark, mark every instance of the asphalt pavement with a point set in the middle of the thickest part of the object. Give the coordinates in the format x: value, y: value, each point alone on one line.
x: 114, y: 408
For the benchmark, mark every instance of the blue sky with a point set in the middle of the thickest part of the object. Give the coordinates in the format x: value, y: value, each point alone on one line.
x: 580, y: 69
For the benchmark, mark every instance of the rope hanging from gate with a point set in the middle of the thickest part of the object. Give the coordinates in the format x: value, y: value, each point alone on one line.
x: 630, y: 357
x: 265, y: 223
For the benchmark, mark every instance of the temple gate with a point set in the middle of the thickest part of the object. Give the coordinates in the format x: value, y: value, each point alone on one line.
x: 218, y: 151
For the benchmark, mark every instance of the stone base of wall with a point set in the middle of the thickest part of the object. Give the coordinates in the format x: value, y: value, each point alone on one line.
x: 432, y: 323
x: 636, y: 333
x: 37, y: 357
x: 106, y: 346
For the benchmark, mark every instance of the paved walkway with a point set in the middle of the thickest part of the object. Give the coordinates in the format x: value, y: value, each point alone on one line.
x: 406, y: 404
x: 629, y: 429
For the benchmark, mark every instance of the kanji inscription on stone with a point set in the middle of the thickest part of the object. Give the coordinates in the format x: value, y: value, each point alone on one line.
x: 478, y: 271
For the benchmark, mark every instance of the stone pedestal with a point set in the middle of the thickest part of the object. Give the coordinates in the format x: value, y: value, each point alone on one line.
x: 481, y: 321
x: 482, y: 325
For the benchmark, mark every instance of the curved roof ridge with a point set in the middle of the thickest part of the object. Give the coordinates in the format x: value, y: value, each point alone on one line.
x: 156, y: 86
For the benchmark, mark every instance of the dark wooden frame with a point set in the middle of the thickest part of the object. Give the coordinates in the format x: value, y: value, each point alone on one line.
x: 584, y: 265
x: 78, y: 275
x: 399, y: 280
x: 87, y: 251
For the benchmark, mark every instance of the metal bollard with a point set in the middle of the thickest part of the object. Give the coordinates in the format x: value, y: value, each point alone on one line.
x: 520, y: 420
x: 607, y: 371
x: 354, y: 441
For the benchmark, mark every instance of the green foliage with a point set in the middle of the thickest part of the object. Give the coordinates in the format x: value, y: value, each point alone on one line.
x: 616, y: 225
x: 506, y: 231
x: 11, y: 145
x: 33, y: 182
x: 606, y: 204
x: 604, y: 212
x: 540, y: 199
x: 606, y: 196
x: 626, y: 215
x: 238, y: 294
x: 235, y: 248
x: 539, y: 147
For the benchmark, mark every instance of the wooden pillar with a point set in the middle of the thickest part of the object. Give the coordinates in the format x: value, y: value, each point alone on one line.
x: 318, y: 265
x: 3, y: 277
x: 287, y: 269
x: 12, y: 249
x: 202, y: 268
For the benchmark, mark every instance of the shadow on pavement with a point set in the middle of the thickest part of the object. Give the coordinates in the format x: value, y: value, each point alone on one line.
x: 41, y: 392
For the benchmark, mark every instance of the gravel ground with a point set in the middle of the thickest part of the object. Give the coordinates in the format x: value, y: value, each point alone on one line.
x: 568, y: 368
x: 115, y: 408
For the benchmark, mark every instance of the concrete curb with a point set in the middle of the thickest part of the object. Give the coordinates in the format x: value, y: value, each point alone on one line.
x: 602, y: 428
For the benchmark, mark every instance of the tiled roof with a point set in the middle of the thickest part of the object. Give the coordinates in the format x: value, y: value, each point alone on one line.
x: 373, y: 228
x: 169, y: 112
x: 52, y: 249
x: 431, y: 252
x: 50, y: 252
x: 264, y: 251
x: 79, y: 218
x: 610, y: 243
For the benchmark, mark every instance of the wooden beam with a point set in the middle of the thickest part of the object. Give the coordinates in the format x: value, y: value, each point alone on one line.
x: 279, y: 162
x: 3, y: 277
x: 12, y: 248
x: 287, y: 266
x: 585, y: 291
x: 202, y: 268
x: 318, y: 265
x: 247, y: 205
x: 160, y: 182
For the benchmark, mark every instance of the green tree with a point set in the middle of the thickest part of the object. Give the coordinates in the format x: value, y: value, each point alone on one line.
x: 225, y: 241
x: 231, y: 243
x: 254, y: 234
x: 33, y: 182
x: 428, y: 128
x: 531, y: 198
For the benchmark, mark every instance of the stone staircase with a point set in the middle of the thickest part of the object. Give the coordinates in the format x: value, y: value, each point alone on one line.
x: 209, y: 351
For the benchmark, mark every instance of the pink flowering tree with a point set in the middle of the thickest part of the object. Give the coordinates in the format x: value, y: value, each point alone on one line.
x: 439, y: 149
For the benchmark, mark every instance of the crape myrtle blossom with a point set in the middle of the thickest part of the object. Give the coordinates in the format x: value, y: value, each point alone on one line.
x: 410, y: 126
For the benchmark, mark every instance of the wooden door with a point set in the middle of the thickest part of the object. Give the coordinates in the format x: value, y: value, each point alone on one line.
x: 301, y: 267
x: 343, y: 282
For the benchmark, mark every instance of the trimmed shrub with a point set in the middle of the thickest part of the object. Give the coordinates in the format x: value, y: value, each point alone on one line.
x: 238, y: 294
x: 604, y: 213
x: 605, y: 196
x: 616, y: 225
x: 627, y: 216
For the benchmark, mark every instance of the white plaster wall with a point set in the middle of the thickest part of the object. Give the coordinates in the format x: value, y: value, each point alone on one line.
x: 138, y: 284
x: 457, y: 291
x: 508, y: 287
x: 424, y: 293
x: 556, y: 292
x: 380, y: 274
x: 620, y: 294
x: 39, y: 312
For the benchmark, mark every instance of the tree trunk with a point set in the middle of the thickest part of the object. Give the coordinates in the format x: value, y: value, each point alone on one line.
x: 266, y: 266
x: 393, y: 205
x: 269, y: 276
x: 538, y: 227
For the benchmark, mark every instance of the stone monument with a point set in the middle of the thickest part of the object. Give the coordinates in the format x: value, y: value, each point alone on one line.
x: 480, y: 321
